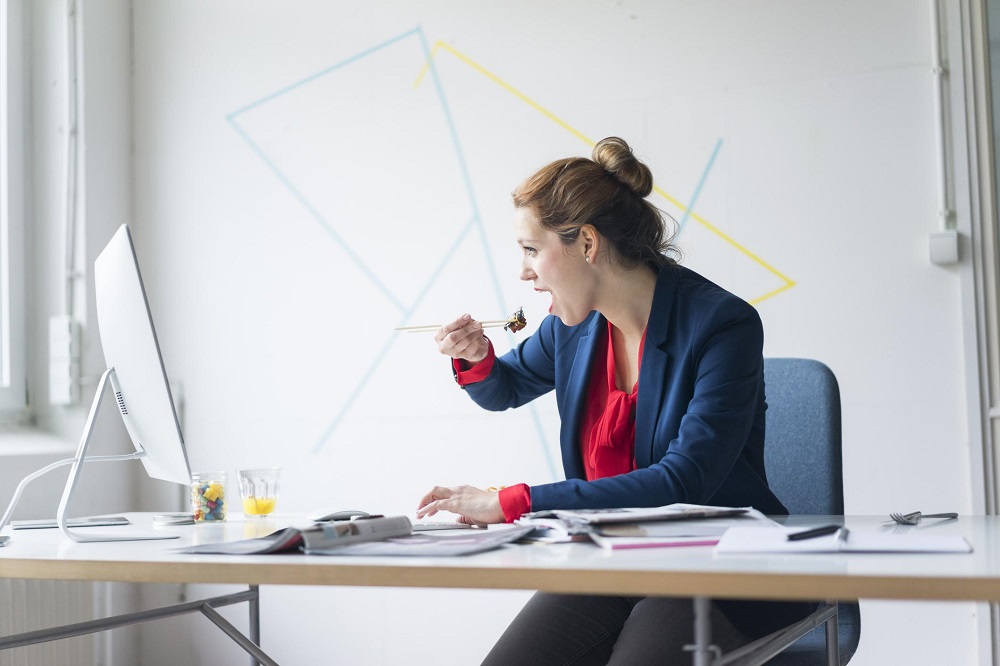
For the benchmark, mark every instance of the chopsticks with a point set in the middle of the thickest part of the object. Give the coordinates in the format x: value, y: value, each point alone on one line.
x: 513, y: 323
x: 433, y: 327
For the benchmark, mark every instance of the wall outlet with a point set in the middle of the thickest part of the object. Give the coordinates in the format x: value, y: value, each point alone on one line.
x: 64, y: 360
x: 944, y: 247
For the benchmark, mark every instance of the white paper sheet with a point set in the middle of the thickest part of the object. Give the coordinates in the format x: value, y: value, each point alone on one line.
x: 775, y: 540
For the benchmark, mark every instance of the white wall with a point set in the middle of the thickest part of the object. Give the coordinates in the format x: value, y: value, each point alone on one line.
x: 285, y: 229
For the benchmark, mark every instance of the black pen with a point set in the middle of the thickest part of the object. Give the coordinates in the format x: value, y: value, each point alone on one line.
x: 814, y: 532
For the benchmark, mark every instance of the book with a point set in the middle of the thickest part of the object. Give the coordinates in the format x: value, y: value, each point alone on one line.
x: 316, y: 537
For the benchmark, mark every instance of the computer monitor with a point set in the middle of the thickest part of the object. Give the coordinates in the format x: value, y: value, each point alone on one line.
x: 128, y: 339
x: 136, y: 375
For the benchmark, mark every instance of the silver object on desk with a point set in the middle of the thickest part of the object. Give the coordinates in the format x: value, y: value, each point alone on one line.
x: 87, y: 521
x: 914, y: 518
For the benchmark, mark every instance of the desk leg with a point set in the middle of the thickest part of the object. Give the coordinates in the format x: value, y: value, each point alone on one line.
x: 254, y: 606
x: 833, y: 638
x: 235, y: 634
x: 702, y: 647
x: 205, y: 606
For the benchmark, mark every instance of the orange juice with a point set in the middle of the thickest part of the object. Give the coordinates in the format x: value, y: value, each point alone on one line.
x: 258, y: 490
x: 258, y: 506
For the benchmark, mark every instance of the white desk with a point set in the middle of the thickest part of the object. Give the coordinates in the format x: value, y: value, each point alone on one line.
x: 570, y: 568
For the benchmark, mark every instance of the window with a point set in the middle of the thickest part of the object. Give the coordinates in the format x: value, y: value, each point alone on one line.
x: 13, y: 98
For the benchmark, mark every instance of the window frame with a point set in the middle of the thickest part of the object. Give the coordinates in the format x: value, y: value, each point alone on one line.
x: 14, y: 406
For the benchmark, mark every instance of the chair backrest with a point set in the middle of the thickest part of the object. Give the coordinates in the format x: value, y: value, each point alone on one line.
x: 802, y: 456
x: 802, y: 446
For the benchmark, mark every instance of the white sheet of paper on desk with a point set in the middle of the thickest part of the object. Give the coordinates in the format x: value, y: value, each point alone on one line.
x: 756, y: 540
x: 634, y: 543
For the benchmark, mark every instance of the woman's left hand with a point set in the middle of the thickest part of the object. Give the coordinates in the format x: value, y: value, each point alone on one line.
x: 473, y: 505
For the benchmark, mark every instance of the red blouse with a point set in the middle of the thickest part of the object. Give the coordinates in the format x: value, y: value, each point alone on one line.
x: 607, y: 427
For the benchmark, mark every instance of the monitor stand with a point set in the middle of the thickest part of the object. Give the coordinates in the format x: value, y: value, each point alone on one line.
x: 81, y: 456
x: 74, y: 474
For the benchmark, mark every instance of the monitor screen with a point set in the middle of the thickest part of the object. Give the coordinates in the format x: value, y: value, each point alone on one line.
x: 128, y: 338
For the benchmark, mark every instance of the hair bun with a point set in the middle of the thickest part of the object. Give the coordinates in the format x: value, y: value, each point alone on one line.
x: 615, y: 156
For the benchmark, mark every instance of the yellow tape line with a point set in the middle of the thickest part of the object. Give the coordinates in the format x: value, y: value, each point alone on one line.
x: 788, y: 283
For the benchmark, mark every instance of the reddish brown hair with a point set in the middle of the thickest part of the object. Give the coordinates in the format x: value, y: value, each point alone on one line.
x: 609, y: 192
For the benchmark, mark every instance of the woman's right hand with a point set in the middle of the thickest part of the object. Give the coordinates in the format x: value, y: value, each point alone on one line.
x: 463, y: 339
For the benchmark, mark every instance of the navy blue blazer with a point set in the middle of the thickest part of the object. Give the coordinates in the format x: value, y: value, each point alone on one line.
x: 699, y: 432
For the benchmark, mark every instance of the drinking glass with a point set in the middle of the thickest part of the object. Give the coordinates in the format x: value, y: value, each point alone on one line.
x: 258, y: 490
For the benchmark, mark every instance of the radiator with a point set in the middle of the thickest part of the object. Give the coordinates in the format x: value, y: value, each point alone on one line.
x: 27, y: 605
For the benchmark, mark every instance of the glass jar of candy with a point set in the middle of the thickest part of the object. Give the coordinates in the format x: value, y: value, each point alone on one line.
x: 208, y: 496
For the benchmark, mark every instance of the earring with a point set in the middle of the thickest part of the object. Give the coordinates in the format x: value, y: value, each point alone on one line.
x: 586, y: 258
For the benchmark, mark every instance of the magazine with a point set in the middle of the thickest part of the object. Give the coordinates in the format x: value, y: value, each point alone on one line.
x: 427, y: 545
x: 318, y: 536
x: 378, y: 535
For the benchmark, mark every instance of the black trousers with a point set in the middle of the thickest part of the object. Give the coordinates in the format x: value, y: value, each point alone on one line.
x: 584, y: 630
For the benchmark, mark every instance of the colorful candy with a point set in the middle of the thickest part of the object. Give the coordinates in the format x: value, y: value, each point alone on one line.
x: 208, y: 496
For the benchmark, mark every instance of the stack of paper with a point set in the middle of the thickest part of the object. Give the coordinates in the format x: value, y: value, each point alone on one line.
x: 670, y: 512
x: 655, y: 527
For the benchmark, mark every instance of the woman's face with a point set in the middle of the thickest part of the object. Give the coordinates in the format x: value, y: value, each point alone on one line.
x: 555, y: 268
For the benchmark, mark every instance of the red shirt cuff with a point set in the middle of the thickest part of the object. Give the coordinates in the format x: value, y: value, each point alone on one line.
x: 515, y: 501
x: 476, y: 373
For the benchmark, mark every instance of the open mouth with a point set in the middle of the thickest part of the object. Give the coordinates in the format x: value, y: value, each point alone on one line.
x: 544, y: 291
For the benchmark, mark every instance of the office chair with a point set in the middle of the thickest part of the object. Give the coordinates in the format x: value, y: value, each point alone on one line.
x: 802, y: 456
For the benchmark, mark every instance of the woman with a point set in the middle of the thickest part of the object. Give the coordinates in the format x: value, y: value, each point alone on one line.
x: 658, y: 375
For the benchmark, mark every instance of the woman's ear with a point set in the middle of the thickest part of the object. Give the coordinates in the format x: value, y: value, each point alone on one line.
x: 591, y: 241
